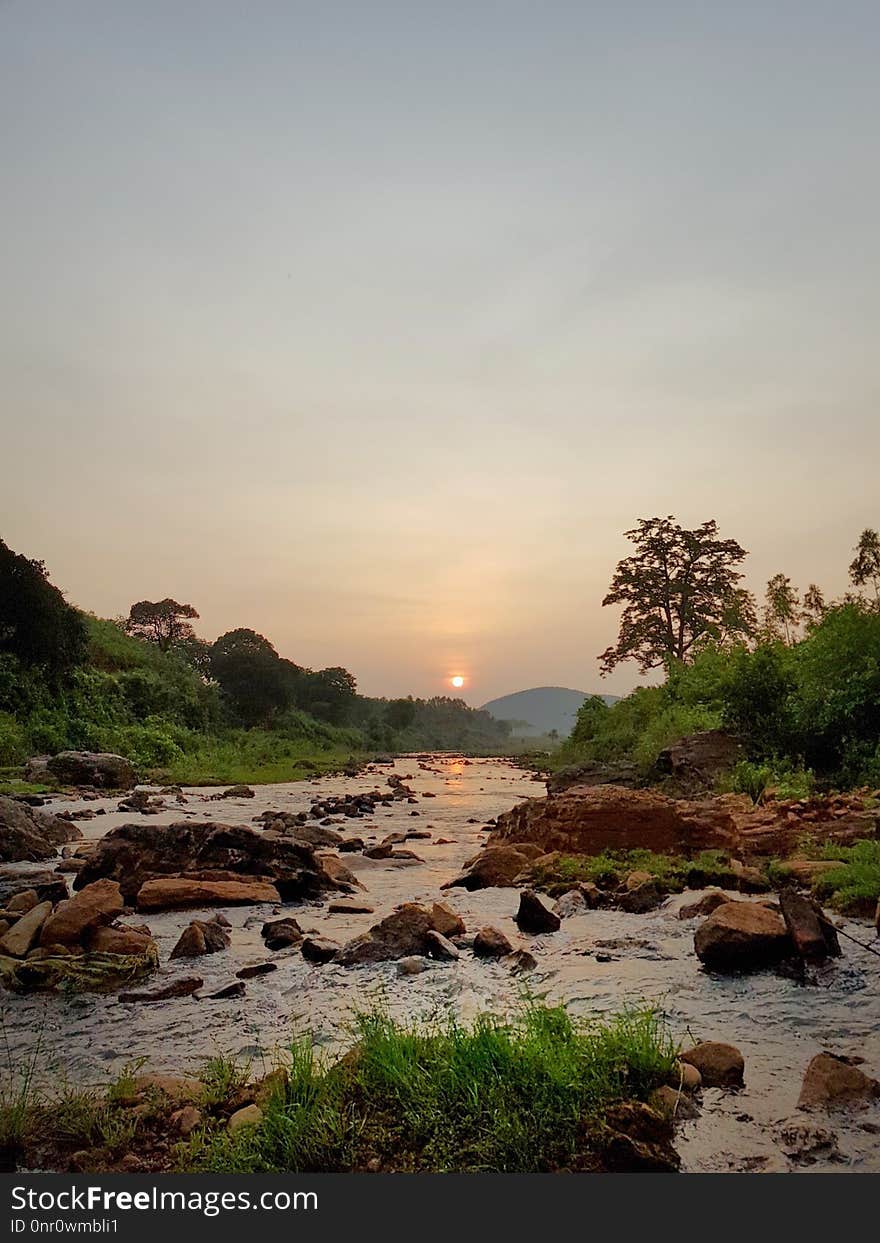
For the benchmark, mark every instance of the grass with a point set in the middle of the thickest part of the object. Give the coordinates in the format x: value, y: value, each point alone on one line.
x: 525, y: 1096
x: 854, y: 887
x: 254, y: 757
x: 610, y: 868
x: 522, y: 1095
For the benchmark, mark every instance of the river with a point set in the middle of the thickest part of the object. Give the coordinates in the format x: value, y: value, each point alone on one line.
x: 777, y: 1023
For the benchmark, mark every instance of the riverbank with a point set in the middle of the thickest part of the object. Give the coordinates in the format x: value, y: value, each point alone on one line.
x: 539, y: 1093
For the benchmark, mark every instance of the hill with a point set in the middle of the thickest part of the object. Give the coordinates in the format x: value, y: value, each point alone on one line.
x: 541, y: 709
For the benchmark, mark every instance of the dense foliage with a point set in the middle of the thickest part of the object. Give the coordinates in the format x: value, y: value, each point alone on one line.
x: 149, y: 688
x: 808, y: 707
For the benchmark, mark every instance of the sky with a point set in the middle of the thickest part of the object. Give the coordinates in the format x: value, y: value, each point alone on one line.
x: 374, y: 326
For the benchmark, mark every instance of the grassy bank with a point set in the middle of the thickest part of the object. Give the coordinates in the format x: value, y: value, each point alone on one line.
x: 529, y: 1095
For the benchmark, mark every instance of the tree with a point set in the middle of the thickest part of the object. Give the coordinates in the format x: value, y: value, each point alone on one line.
x: 814, y: 607
x: 782, y: 610
x: 865, y: 566
x: 679, y: 589
x: 37, y: 625
x: 164, y: 622
x: 400, y: 713
x: 328, y: 694
x: 251, y: 674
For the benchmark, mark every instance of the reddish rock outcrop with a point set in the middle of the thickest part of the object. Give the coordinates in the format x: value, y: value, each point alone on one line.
x: 177, y: 892
x: 590, y: 819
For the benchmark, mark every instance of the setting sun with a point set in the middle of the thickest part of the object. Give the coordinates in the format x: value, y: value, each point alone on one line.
x: 457, y: 681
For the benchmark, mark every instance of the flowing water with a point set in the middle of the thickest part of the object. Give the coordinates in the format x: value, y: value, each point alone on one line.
x: 777, y: 1023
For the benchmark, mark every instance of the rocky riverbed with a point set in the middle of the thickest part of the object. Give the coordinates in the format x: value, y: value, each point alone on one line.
x: 597, y: 962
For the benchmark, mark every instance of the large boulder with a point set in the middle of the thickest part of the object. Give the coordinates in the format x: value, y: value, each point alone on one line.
x: 699, y: 759
x: 741, y: 935
x: 833, y: 1082
x: 590, y: 819
x: 178, y: 892
x: 96, y: 904
x: 495, y: 867
x: 398, y: 935
x: 29, y: 835
x: 92, y: 768
x: 136, y: 853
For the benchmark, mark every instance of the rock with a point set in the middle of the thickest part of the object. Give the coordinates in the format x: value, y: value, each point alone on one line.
x: 447, y: 921
x: 239, y: 791
x: 533, y: 916
x: 99, y: 903
x: 201, y: 937
x: 698, y: 760
x: 136, y: 853
x: 21, y: 903
x: 338, y: 876
x: 593, y: 895
x: 571, y: 903
x: 520, y: 961
x: 741, y: 935
x: 249, y: 1116
x: 175, y: 1087
x: 494, y: 867
x: 411, y: 965
x: 805, y: 1144
x: 273, y: 1084
x: 400, y: 934
x: 490, y: 943
x: 114, y: 940
x: 594, y: 773
x: 704, y: 906
x: 235, y: 989
x: 260, y: 968
x: 685, y: 1077
x: 320, y: 949
x: 279, y: 934
x: 720, y: 1065
x: 807, y: 871
x: 382, y: 851
x: 590, y: 819
x: 351, y: 844
x: 833, y: 1082
x: 176, y: 893
x: 673, y: 1104
x: 103, y: 770
x: 350, y: 906
x: 813, y: 937
x: 49, y: 886
x: 638, y: 1140
x: 28, y: 835
x: 177, y: 988
x: 440, y: 947
x: 186, y: 1120
x: 639, y: 898
x: 24, y: 933
x: 749, y: 879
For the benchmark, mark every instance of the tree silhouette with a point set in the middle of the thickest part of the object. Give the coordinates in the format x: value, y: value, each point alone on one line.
x: 164, y: 622
x: 679, y: 589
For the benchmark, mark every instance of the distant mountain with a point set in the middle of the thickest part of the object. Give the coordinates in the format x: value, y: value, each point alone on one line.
x: 541, y: 709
